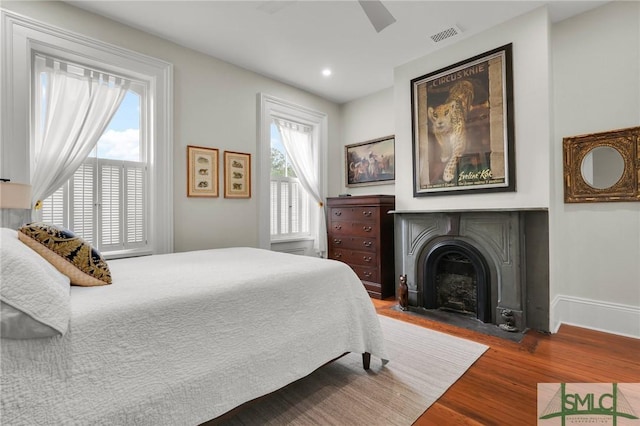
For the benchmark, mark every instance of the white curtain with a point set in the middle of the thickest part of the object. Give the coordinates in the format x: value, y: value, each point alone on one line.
x: 300, y: 151
x: 79, y: 106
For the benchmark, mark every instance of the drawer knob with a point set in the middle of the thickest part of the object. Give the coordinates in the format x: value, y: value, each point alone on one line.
x: 337, y: 241
x: 367, y: 274
x: 367, y: 214
x: 337, y: 213
x: 338, y: 227
x: 367, y: 228
x: 337, y: 256
x: 366, y: 258
x: 367, y: 243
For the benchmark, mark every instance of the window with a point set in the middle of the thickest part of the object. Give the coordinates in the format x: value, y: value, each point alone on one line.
x: 289, y: 200
x: 135, y: 195
x: 294, y: 219
x: 105, y: 201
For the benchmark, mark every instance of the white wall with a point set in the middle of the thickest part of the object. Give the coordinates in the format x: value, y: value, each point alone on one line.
x: 215, y: 105
x: 531, y: 88
x: 595, y: 248
x: 367, y: 118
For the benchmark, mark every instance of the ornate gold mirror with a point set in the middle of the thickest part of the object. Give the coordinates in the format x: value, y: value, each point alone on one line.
x: 602, y: 166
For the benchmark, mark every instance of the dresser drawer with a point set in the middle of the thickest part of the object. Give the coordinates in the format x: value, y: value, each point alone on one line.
x: 366, y: 273
x: 354, y: 257
x: 352, y: 228
x: 358, y: 243
x: 354, y: 213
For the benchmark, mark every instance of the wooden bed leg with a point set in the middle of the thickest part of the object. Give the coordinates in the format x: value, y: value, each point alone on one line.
x: 366, y: 360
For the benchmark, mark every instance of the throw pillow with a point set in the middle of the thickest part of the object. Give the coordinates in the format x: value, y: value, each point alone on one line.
x: 70, y: 254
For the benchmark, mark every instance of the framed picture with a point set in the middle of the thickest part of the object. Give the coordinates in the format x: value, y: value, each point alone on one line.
x: 202, y: 171
x: 237, y: 175
x: 462, y: 122
x: 371, y: 162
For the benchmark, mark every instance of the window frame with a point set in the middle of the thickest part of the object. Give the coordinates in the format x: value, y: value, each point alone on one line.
x: 290, y: 182
x: 271, y: 107
x: 22, y: 37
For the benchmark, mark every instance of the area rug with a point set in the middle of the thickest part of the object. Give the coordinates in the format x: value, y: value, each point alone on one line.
x: 423, y: 365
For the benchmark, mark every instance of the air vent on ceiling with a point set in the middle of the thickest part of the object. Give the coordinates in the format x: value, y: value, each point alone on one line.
x: 452, y: 31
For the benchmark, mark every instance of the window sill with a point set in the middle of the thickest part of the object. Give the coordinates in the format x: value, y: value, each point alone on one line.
x: 291, y: 239
x: 122, y: 254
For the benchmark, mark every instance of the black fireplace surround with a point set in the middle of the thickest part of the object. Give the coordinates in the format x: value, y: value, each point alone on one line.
x: 506, y: 255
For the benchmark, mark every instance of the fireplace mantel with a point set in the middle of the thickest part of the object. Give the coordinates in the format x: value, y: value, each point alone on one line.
x: 511, y: 209
x: 513, y: 242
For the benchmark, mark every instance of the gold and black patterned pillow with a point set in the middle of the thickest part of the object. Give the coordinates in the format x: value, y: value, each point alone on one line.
x: 70, y: 254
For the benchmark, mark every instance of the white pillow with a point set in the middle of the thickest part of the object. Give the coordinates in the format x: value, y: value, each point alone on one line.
x: 35, y: 296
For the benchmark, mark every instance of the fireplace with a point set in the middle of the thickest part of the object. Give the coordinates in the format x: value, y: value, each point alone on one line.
x: 456, y: 279
x: 488, y: 265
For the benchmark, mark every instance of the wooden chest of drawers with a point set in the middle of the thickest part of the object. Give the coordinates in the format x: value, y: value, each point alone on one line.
x: 360, y: 234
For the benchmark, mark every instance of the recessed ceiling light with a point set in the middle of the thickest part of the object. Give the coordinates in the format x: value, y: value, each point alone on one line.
x: 326, y: 72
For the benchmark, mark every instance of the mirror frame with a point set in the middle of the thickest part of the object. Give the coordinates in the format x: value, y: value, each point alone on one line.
x: 575, y: 148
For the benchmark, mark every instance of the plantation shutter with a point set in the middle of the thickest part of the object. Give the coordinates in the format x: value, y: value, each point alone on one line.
x: 274, y: 207
x: 295, y: 207
x: 110, y: 178
x: 284, y: 207
x: 289, y: 206
x: 106, y: 204
x: 53, y: 210
x: 123, y: 223
x: 134, y: 217
x: 82, y: 191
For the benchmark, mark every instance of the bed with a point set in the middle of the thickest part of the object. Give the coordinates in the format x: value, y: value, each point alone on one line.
x: 183, y: 338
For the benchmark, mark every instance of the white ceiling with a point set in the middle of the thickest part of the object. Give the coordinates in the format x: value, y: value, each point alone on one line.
x: 292, y: 41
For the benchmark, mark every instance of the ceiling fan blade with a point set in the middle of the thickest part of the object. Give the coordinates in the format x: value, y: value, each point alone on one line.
x: 379, y: 16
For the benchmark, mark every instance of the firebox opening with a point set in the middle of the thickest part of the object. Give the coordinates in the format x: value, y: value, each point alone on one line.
x: 456, y: 280
x: 456, y: 283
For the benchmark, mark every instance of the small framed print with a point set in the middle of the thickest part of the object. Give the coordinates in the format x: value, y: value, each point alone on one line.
x: 202, y: 171
x: 237, y: 175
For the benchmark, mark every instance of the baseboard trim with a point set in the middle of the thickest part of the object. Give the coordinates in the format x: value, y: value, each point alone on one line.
x: 614, y: 318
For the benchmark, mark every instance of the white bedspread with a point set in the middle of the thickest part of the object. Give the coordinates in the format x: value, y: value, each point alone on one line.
x: 182, y: 338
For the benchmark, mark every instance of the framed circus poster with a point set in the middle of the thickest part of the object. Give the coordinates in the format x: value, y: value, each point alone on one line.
x: 202, y: 171
x: 463, y: 127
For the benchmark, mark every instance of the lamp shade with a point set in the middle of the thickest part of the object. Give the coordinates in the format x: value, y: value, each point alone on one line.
x: 15, y: 195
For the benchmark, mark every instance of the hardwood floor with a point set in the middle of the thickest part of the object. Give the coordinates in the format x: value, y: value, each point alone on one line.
x: 501, y: 387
